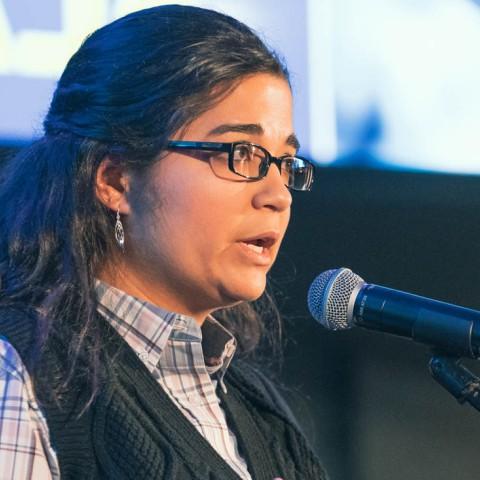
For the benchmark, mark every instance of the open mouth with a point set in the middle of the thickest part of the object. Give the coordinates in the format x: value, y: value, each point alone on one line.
x: 259, y: 245
x: 256, y: 246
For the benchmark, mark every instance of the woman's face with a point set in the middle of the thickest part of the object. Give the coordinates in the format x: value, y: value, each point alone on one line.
x: 191, y: 237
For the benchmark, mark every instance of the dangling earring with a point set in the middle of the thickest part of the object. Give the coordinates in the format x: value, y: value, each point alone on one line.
x: 119, y: 232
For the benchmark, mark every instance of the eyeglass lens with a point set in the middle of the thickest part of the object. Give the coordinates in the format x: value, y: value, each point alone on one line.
x: 251, y: 162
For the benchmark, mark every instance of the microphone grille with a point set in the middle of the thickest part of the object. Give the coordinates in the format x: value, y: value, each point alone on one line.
x: 329, y: 296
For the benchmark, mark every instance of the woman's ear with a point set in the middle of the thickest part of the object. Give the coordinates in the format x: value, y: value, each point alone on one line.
x: 112, y: 184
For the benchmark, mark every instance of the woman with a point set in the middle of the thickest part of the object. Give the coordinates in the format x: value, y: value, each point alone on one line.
x: 158, y: 196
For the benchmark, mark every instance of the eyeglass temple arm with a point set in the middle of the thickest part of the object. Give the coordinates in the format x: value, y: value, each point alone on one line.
x: 211, y: 146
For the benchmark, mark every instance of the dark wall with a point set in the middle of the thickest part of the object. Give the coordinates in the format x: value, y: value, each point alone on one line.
x: 373, y: 410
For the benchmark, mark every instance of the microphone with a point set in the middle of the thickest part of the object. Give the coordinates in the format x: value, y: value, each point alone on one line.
x: 339, y: 299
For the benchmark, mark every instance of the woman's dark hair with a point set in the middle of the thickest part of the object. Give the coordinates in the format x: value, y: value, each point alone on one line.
x: 124, y: 93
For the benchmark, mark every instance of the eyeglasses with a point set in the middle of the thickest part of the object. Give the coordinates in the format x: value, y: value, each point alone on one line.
x: 251, y: 161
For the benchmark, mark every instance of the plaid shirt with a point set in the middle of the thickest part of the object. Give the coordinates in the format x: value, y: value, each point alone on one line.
x: 187, y: 361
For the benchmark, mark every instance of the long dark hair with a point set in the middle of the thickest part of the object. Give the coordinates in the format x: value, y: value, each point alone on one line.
x: 129, y: 87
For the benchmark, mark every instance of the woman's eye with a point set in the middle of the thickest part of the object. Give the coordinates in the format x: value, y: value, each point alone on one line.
x: 243, y: 153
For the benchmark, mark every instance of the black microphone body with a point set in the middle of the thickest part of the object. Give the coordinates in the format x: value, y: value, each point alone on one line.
x: 448, y: 327
x: 340, y: 299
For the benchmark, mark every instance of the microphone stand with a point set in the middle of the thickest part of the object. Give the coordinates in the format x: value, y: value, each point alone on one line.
x: 456, y: 378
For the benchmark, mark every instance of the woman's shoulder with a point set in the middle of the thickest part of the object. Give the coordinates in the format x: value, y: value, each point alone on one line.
x: 11, y: 364
x: 16, y: 394
x: 25, y: 446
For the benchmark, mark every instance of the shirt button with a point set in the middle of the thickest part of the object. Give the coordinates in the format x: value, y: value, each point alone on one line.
x: 143, y: 355
x: 180, y: 325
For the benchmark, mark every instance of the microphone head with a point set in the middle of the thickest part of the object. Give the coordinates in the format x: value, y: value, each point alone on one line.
x: 329, y: 296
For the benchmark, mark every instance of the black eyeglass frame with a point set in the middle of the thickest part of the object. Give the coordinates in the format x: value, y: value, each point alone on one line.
x: 230, y: 148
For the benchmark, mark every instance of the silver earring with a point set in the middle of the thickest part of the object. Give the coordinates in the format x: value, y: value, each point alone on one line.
x: 119, y: 232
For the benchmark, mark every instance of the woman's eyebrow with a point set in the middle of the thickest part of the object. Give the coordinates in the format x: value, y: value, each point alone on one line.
x: 251, y: 129
x: 292, y: 140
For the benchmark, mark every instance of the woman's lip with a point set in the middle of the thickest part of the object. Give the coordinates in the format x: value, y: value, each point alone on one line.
x: 267, y: 239
x: 252, y: 252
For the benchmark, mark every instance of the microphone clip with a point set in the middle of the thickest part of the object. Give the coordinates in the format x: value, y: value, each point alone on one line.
x: 463, y: 384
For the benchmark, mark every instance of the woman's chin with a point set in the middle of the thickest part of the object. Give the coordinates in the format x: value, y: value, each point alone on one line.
x: 243, y: 291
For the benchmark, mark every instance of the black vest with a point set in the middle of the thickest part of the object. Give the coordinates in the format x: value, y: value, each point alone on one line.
x: 134, y: 430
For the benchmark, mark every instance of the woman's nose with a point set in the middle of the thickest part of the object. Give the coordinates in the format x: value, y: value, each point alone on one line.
x: 272, y: 192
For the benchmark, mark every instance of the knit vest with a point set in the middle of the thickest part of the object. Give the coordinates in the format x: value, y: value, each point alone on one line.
x: 135, y: 431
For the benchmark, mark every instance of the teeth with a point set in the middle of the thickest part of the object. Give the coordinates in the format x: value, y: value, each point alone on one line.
x: 255, y: 248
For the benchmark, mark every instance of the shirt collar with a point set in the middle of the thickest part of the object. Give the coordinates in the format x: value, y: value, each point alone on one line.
x: 147, y: 329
